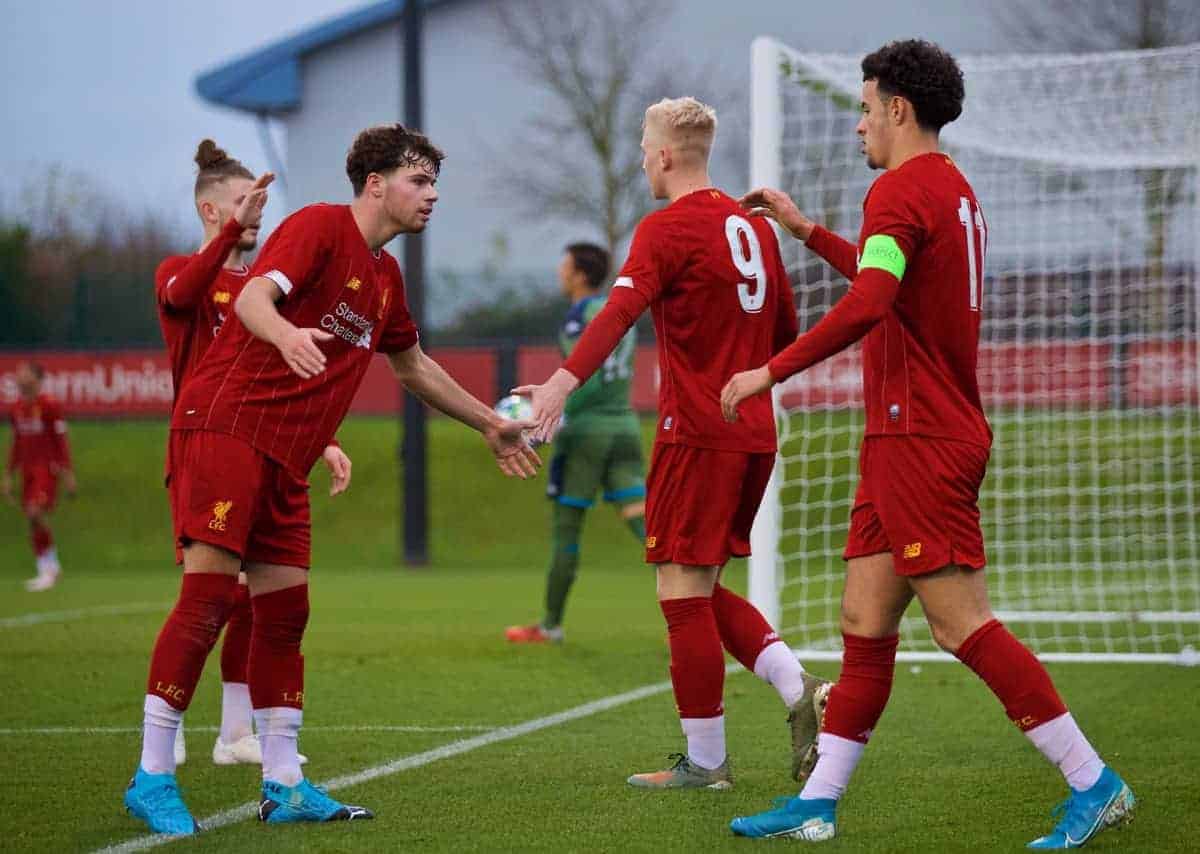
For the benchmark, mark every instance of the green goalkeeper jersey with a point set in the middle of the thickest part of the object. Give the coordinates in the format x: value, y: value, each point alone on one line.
x: 602, y: 403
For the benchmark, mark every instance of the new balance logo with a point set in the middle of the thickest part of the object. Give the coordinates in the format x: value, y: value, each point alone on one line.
x: 912, y: 550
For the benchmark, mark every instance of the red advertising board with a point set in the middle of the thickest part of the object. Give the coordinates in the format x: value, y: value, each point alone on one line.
x: 1163, y: 373
x: 137, y: 383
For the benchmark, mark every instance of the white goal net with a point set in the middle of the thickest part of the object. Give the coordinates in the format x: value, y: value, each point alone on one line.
x: 1087, y: 169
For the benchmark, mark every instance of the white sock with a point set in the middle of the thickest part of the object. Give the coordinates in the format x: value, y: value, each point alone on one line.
x: 837, y: 758
x: 47, y: 562
x: 159, y: 722
x: 779, y: 666
x: 1063, y: 743
x: 236, y: 711
x: 278, y: 728
x: 705, y: 740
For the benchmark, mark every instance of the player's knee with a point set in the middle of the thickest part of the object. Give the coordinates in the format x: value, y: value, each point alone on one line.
x: 864, y: 622
x: 950, y: 634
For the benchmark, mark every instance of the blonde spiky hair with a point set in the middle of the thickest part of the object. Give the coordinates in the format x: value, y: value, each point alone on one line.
x: 689, y: 124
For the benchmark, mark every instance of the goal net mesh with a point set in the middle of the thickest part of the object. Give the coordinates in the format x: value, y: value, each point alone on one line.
x: 1086, y: 168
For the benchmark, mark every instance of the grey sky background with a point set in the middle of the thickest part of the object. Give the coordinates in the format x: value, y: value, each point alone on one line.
x: 105, y: 89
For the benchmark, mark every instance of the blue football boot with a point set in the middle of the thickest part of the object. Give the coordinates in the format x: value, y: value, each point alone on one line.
x: 794, y: 818
x: 155, y: 799
x: 1084, y: 814
x: 304, y: 802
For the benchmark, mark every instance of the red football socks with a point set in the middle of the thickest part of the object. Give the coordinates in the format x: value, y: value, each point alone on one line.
x: 276, y: 667
x: 41, y: 538
x: 188, y: 636
x: 697, y: 661
x: 744, y: 632
x: 862, y: 690
x: 235, y: 649
x: 1013, y: 673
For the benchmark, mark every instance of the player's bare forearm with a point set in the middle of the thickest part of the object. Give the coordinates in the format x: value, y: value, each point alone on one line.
x: 256, y: 309
x: 429, y: 381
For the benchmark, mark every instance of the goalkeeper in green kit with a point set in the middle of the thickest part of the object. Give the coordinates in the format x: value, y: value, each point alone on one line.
x: 598, y: 449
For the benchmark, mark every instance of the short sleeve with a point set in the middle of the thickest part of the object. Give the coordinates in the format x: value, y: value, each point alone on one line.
x: 400, y: 333
x: 295, y: 253
x: 893, y: 209
x: 643, y: 268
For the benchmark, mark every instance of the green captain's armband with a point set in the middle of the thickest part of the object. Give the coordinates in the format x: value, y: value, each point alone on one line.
x: 882, y: 252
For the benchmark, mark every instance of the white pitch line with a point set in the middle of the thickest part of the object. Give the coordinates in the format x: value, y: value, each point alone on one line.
x: 416, y: 760
x: 81, y: 613
x: 126, y: 730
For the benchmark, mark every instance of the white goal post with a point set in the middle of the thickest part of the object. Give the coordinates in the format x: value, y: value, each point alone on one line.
x: 1088, y: 169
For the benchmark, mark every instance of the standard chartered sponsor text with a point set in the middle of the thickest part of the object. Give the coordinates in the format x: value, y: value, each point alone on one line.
x: 355, y: 330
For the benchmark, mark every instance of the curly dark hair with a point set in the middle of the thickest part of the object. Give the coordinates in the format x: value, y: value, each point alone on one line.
x: 214, y: 165
x: 922, y: 73
x: 383, y: 148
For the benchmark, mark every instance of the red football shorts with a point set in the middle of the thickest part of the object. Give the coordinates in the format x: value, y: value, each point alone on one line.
x: 226, y: 493
x: 39, y: 487
x: 700, y: 503
x: 918, y: 498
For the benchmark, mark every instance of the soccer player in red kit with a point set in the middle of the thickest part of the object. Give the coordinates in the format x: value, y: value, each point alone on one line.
x: 195, y: 293
x: 721, y: 301
x: 915, y: 300
x: 264, y: 402
x: 41, y: 454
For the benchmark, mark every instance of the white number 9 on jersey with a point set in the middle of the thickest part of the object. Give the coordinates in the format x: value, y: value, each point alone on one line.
x: 747, y: 257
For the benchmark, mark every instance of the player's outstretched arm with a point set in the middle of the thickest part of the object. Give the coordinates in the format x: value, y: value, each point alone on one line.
x: 865, y: 304
x: 838, y: 252
x: 429, y: 381
x: 339, y: 466
x: 601, y: 336
x: 255, y: 308
x: 184, y: 287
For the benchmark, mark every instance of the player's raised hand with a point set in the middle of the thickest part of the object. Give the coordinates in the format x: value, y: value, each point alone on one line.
x: 249, y: 212
x: 549, y: 399
x: 778, y: 206
x: 741, y: 386
x: 511, y: 448
x: 339, y: 469
x: 299, y: 349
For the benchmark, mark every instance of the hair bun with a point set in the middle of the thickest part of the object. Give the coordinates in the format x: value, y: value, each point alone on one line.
x: 209, y: 156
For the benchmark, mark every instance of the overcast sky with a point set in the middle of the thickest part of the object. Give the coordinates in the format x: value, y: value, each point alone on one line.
x: 106, y: 89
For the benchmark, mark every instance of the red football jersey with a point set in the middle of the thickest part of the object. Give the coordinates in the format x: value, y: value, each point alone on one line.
x: 331, y: 280
x: 39, y: 435
x: 919, y: 362
x: 722, y: 303
x: 190, y: 325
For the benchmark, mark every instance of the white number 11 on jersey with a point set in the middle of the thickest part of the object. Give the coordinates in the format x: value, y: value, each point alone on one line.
x: 972, y: 221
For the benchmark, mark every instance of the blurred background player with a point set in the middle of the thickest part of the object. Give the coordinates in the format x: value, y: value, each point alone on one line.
x: 598, y: 447
x: 41, y: 455
x: 721, y: 301
x: 195, y: 293
x: 265, y: 401
x: 914, y: 527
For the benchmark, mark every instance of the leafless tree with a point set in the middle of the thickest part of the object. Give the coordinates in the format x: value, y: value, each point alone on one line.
x: 1096, y: 25
x: 1100, y: 25
x: 600, y: 64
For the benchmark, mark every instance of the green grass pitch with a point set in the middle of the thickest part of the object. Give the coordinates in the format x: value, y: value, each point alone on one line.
x: 423, y: 649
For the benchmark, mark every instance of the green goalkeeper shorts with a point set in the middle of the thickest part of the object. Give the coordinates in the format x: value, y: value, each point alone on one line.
x: 586, y: 463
